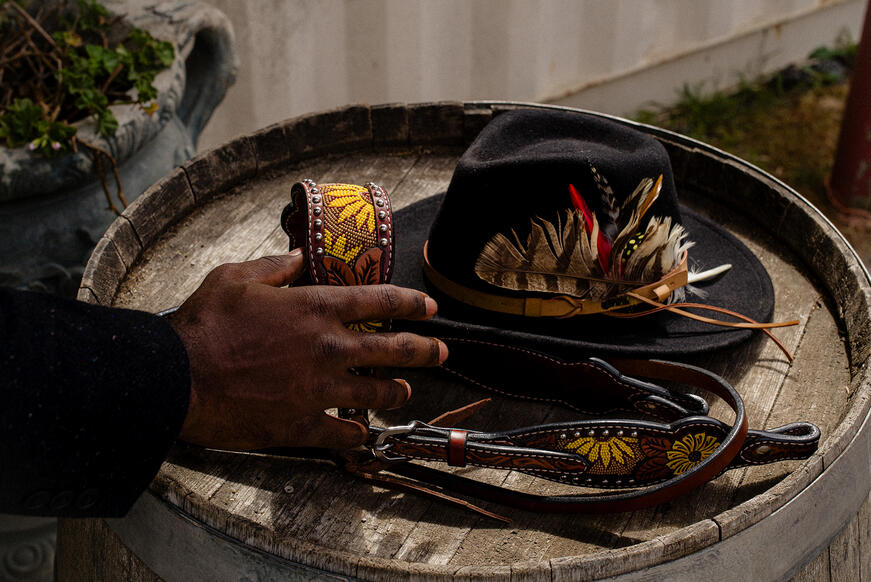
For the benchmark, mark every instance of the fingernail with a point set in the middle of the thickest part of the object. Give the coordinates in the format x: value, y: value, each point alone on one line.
x: 407, y: 389
x: 443, y: 351
x: 295, y: 252
x: 431, y: 306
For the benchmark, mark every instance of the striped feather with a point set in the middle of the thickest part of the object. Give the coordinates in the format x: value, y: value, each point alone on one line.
x: 563, y: 258
x: 557, y: 258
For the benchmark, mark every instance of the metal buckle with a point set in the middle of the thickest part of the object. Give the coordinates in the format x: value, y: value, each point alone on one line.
x: 380, y: 446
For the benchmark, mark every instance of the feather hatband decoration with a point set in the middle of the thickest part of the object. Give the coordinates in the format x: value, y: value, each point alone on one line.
x: 564, y: 258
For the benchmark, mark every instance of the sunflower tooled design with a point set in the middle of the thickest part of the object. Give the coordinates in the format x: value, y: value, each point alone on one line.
x: 338, y: 247
x: 354, y: 205
x: 689, y: 451
x: 607, y: 450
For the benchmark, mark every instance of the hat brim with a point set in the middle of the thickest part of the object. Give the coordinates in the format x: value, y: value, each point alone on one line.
x: 745, y: 288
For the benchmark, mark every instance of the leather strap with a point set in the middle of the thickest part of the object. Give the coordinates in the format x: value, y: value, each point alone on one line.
x: 713, y: 455
x: 457, y: 447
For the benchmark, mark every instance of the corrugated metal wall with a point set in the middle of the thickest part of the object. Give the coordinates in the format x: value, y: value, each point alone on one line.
x: 300, y: 56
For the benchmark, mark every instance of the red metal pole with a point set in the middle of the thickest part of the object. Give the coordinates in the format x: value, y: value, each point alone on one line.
x: 850, y: 182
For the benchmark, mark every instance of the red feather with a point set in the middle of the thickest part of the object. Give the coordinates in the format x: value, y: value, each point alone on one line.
x: 603, y: 245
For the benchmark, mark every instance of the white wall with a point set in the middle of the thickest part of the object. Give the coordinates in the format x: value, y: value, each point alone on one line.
x: 299, y: 56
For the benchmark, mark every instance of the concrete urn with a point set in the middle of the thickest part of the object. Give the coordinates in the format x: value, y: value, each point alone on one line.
x: 53, y: 211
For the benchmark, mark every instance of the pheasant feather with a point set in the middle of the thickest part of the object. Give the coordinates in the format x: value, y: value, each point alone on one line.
x: 565, y: 257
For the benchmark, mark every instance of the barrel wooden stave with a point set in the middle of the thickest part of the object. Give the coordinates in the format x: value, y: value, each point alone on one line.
x: 379, y: 533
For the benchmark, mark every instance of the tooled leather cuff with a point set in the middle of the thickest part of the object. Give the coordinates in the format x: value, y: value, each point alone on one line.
x: 346, y: 230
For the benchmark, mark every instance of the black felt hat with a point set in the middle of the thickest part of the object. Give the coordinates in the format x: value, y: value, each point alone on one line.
x: 517, y: 174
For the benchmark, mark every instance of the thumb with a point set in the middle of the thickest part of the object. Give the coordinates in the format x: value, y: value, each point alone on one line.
x: 276, y: 270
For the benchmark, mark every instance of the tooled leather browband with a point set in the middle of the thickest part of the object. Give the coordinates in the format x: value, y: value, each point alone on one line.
x: 347, y: 231
x: 656, y: 461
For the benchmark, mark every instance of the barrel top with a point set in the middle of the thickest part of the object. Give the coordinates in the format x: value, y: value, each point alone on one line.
x: 213, y: 211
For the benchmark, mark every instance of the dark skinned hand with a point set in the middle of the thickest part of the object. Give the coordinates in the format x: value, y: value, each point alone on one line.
x: 267, y: 361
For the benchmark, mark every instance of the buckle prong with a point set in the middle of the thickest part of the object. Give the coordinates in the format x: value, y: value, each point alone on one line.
x: 380, y: 446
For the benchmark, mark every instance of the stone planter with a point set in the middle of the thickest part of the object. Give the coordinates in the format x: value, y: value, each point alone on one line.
x: 52, y: 212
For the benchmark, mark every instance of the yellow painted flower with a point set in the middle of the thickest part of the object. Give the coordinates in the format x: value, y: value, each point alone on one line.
x: 353, y: 205
x: 338, y: 247
x: 616, y: 449
x: 690, y: 451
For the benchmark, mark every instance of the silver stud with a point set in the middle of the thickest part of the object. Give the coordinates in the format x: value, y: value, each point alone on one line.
x: 633, y: 434
x: 316, y: 210
x: 318, y: 222
x: 319, y: 251
x: 382, y: 214
x: 605, y: 432
x: 575, y: 479
x: 563, y: 436
x: 619, y: 433
x: 319, y: 236
x: 563, y: 478
x: 591, y: 432
x: 577, y: 433
x: 631, y: 481
x: 315, y: 190
x: 604, y: 481
x: 384, y: 242
x: 589, y: 479
x: 618, y: 482
x: 316, y: 198
x: 383, y: 228
x: 378, y: 193
x: 379, y: 202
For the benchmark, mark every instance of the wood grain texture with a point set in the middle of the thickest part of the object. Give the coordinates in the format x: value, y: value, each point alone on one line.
x: 161, y: 205
x: 848, y: 557
x: 88, y: 550
x: 330, y: 132
x: 122, y: 235
x: 436, y: 123
x: 214, y: 172
x: 103, y: 271
x: 389, y: 125
x: 270, y: 147
x: 310, y: 513
x: 815, y: 571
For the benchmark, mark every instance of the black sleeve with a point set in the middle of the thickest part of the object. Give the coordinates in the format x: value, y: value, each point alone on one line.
x: 91, y: 399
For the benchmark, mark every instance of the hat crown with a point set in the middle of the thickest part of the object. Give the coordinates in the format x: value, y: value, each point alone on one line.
x: 521, y: 165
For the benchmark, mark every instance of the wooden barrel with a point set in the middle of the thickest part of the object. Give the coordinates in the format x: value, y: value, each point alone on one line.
x: 215, y: 515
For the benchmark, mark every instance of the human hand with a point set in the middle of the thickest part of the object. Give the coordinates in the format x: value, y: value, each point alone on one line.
x: 266, y: 361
